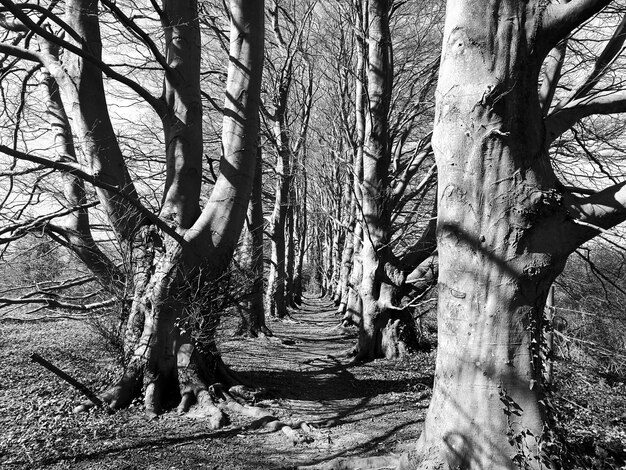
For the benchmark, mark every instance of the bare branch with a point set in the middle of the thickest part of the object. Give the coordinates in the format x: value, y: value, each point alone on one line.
x: 21, y: 52
x: 19, y: 229
x: 598, y: 212
x: 611, y: 51
x: 77, y: 170
x: 607, y: 102
x: 140, y: 33
x: 55, y: 303
x: 156, y: 103
x: 560, y: 19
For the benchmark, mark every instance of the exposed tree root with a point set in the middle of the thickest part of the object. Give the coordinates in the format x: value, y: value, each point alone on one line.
x: 263, y: 418
x: 197, y: 400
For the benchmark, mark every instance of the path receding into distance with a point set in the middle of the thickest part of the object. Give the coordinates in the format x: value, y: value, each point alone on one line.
x: 371, y: 408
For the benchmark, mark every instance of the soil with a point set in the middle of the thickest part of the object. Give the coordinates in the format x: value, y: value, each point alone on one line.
x: 375, y: 408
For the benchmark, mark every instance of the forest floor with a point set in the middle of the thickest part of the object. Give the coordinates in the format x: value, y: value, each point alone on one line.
x: 366, y: 409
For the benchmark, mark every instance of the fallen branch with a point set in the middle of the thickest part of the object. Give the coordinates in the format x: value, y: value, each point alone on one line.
x: 72, y: 381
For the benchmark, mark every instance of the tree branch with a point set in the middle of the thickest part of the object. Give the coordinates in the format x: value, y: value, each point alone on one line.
x: 56, y: 303
x: 78, y: 171
x: 422, y: 151
x: 607, y: 102
x: 157, y: 104
x: 551, y: 76
x: 140, y: 33
x: 20, y: 52
x: 46, y: 13
x: 598, y: 212
x: 609, y: 54
x: 28, y: 225
x: 560, y: 19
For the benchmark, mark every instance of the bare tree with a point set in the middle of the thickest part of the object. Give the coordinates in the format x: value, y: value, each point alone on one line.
x: 173, y: 260
x: 287, y: 129
x: 506, y: 226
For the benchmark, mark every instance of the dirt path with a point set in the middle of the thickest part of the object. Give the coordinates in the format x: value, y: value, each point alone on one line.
x: 369, y: 409
x: 372, y: 408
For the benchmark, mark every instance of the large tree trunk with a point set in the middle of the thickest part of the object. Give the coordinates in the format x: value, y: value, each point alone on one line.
x: 353, y: 310
x: 82, y: 90
x: 504, y: 233
x: 385, y: 330
x: 183, y: 120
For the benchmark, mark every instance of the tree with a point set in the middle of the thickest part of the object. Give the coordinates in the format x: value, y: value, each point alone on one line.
x: 251, y: 262
x: 506, y: 226
x: 290, y: 37
x: 385, y: 119
x: 171, y: 260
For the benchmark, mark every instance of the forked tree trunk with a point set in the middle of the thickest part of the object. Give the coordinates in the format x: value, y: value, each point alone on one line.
x: 170, y: 332
x: 82, y: 91
x: 75, y: 231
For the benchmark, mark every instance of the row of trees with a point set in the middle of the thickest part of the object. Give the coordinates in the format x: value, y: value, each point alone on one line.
x: 325, y: 133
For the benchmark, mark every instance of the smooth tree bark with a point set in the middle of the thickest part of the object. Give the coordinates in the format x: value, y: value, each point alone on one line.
x: 75, y: 231
x: 347, y: 253
x: 290, y: 242
x: 275, y: 297
x: 505, y: 229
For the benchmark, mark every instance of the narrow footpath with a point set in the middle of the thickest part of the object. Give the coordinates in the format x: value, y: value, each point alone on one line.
x: 365, y: 409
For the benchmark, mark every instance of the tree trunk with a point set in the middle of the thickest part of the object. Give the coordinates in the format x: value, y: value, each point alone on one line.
x: 82, y: 90
x: 354, y: 307
x: 183, y: 121
x: 253, y: 311
x: 275, y: 300
x: 290, y: 244
x: 336, y: 231
x: 302, y: 229
x: 385, y: 330
x: 347, y: 256
x: 75, y: 231
x: 504, y: 233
